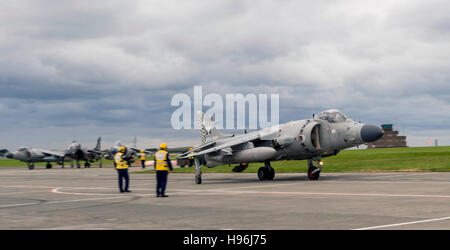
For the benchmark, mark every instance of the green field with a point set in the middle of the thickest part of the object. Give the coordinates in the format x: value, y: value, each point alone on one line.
x: 364, y: 160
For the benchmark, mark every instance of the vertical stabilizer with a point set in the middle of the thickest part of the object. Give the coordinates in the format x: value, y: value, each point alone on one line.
x: 208, y: 130
x: 98, y: 146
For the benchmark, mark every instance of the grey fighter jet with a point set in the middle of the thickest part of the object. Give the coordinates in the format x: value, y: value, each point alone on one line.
x: 131, y: 150
x: 326, y: 134
x: 78, y: 153
x: 31, y: 156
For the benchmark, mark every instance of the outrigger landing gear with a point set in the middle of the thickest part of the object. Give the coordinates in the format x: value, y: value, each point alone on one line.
x: 314, y: 171
x: 266, y: 172
x: 198, y: 171
x: 240, y: 168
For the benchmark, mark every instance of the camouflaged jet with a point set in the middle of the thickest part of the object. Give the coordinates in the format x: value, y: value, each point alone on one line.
x: 326, y: 134
x: 78, y: 153
x: 32, y: 155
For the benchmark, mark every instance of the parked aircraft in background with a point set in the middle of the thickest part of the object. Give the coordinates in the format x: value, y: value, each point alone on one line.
x: 31, y: 156
x: 131, y: 150
x: 78, y: 153
x: 3, y: 153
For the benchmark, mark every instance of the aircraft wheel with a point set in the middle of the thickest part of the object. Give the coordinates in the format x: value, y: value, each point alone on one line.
x: 198, y: 179
x: 263, y: 173
x: 270, y: 173
x: 48, y: 166
x: 313, y: 176
x: 31, y: 166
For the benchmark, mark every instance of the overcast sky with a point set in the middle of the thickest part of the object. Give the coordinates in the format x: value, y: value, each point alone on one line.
x: 82, y: 69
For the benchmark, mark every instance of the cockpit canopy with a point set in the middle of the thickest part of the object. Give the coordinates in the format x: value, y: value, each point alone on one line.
x: 73, y: 145
x: 332, y: 116
x: 23, y: 148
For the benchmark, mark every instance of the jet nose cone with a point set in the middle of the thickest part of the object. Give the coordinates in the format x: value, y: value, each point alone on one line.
x: 10, y: 156
x: 371, y: 133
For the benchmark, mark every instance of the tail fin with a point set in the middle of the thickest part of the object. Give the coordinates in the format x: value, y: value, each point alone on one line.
x: 208, y: 130
x: 98, y: 146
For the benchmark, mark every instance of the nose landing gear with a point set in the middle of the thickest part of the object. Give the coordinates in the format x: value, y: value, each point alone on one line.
x: 314, y: 170
x: 30, y: 166
x: 198, y: 171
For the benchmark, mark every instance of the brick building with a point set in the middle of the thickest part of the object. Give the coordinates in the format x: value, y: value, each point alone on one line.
x: 390, y: 139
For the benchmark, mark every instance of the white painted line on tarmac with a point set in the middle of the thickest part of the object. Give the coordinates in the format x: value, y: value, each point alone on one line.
x: 403, y: 224
x: 93, y: 199
x: 19, y: 205
x: 29, y: 192
x: 346, y: 194
x: 46, y: 187
x: 237, y: 192
x: 64, y: 201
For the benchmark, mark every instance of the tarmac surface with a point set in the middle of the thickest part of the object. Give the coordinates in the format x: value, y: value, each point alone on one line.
x: 89, y: 199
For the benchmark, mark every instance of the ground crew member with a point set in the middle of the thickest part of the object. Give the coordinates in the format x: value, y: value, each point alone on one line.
x: 142, y: 155
x: 191, y: 159
x: 162, y: 167
x: 121, y: 161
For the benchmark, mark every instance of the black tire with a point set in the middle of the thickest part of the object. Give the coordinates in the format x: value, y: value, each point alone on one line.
x: 262, y: 173
x: 271, y: 173
x: 314, y: 176
x: 48, y: 166
x: 31, y: 166
x: 198, y: 179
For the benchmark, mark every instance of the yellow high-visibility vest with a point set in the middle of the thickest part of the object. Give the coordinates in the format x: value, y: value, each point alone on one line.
x: 142, y: 156
x: 161, y: 160
x: 120, y: 163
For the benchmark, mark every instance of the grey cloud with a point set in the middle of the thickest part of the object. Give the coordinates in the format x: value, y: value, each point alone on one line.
x: 114, y: 64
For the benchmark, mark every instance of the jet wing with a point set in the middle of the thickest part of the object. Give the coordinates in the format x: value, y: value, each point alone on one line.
x: 196, y: 149
x: 55, y: 153
x: 139, y: 150
x: 94, y: 151
x: 263, y: 135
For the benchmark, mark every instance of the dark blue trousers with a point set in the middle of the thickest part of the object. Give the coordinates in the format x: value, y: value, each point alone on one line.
x: 123, y: 174
x: 161, y: 181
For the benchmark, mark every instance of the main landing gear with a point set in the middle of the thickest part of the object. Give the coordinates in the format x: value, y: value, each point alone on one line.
x: 198, y: 171
x: 266, y: 172
x: 48, y: 166
x: 314, y: 170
